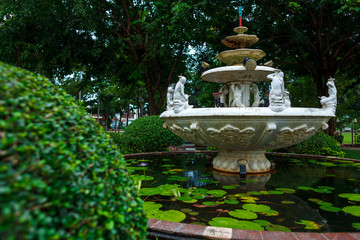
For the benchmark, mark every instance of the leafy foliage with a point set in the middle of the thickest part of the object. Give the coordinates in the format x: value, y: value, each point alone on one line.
x: 319, y: 144
x: 147, y: 134
x: 60, y: 175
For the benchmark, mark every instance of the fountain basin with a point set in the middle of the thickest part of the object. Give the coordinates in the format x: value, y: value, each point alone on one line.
x: 246, y: 133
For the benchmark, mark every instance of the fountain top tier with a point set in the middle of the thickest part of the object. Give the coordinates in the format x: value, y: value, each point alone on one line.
x: 240, y: 42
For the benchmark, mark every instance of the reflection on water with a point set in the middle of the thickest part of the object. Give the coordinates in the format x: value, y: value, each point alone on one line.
x: 302, y: 194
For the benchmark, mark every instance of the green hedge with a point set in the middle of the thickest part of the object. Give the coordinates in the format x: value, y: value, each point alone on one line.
x: 147, y: 134
x: 60, y: 175
x: 319, y: 144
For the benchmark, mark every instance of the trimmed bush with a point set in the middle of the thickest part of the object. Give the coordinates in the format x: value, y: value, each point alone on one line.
x: 319, y: 144
x: 147, y: 134
x: 115, y: 136
x: 60, y: 175
x: 339, y: 138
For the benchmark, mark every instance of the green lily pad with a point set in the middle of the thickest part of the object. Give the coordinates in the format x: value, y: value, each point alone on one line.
x: 231, y: 201
x: 286, y: 190
x: 190, y: 201
x: 209, y: 203
x: 270, y: 213
x: 356, y: 225
x: 199, y: 196
x: 234, y: 223
x: 323, y: 203
x: 185, y: 198
x: 287, y: 202
x: 326, y: 187
x: 256, y: 207
x: 309, y: 224
x: 305, y: 188
x: 205, y: 180
x: 166, y: 159
x: 263, y: 223
x: 321, y: 191
x: 186, y: 210
x: 351, y: 196
x: 151, y: 206
x: 314, y: 200
x: 353, y: 210
x: 277, y: 228
x: 193, y: 213
x: 275, y: 192
x: 244, y: 214
x: 168, y: 165
x: 149, y: 191
x: 216, y: 193
x: 228, y: 187
x: 330, y: 208
x: 170, y: 215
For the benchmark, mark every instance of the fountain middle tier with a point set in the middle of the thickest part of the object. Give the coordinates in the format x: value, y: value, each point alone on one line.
x: 246, y: 133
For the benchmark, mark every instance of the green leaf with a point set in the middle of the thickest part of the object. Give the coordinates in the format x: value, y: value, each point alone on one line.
x: 234, y: 223
x: 244, y: 214
x: 353, y: 210
x: 256, y: 207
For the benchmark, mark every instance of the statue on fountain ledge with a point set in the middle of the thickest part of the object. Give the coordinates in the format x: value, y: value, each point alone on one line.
x: 180, y: 99
x: 278, y: 97
x: 257, y: 101
x: 330, y: 101
x: 236, y: 94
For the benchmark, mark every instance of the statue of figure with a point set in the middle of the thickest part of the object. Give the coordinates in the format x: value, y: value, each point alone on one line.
x: 180, y: 99
x: 236, y: 94
x: 287, y: 99
x: 276, y: 96
x: 170, y: 97
x: 331, y: 100
x: 255, y: 91
x: 225, y: 91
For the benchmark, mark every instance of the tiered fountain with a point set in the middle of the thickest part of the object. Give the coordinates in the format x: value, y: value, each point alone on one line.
x: 239, y: 128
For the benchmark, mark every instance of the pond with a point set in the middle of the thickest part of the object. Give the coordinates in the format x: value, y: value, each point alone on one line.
x: 298, y: 195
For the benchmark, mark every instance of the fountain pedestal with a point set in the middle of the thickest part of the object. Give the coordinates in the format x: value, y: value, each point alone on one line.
x: 227, y: 160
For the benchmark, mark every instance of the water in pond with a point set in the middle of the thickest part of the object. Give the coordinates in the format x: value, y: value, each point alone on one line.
x: 297, y: 196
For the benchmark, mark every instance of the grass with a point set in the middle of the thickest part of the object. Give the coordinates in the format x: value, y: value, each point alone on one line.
x: 347, y: 137
x: 354, y: 154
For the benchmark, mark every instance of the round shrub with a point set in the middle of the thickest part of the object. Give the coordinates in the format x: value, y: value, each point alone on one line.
x: 319, y: 144
x: 60, y: 175
x: 147, y: 134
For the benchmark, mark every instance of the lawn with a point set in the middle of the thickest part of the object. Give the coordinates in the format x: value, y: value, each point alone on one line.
x: 354, y: 154
x: 347, y: 137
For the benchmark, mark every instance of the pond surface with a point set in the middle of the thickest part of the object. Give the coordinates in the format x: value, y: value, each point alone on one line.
x: 299, y: 195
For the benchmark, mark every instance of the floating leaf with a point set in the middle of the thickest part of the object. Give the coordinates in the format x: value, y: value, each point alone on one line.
x: 356, y: 225
x: 149, y: 191
x: 277, y: 228
x: 216, y: 193
x: 244, y: 214
x: 194, y: 213
x: 234, y: 223
x: 270, y: 213
x: 309, y: 224
x: 275, y: 192
x: 321, y: 191
x: 287, y: 202
x: 170, y: 215
x: 256, y: 207
x: 286, y: 190
x: 190, y: 201
x: 176, y: 170
x: 323, y: 203
x: 151, y: 206
x: 330, y: 208
x: 209, y: 203
x: 263, y: 223
x: 205, y: 180
x: 186, y: 210
x: 228, y: 187
x: 231, y: 201
x: 326, y: 187
x: 351, y: 196
x: 305, y: 188
x: 353, y: 210
x: 314, y: 200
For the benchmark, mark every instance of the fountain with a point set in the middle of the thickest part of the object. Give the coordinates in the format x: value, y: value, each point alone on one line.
x: 239, y: 128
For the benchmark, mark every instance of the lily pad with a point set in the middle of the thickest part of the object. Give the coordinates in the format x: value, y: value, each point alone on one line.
x: 309, y: 224
x: 234, y: 223
x: 326, y: 187
x: 205, y: 180
x: 353, y: 210
x: 263, y: 223
x: 330, y: 208
x: 271, y: 213
x: 356, y: 225
x: 275, y: 192
x: 186, y: 210
x: 351, y: 196
x: 170, y: 215
x: 228, y: 187
x: 286, y: 190
x: 244, y: 214
x: 151, y: 206
x: 305, y: 188
x: 256, y: 207
x: 193, y: 213
x: 149, y: 191
x: 231, y: 201
x: 216, y: 193
x: 209, y: 203
x: 277, y: 228
x: 287, y: 202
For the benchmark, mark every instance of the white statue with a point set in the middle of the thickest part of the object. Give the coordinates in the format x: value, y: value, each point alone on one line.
x: 255, y: 91
x: 287, y: 99
x: 180, y: 99
x: 225, y: 91
x: 330, y: 101
x: 170, y: 97
x: 277, y: 91
x: 236, y: 94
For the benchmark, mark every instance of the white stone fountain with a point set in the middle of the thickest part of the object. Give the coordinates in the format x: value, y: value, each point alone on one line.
x: 239, y: 129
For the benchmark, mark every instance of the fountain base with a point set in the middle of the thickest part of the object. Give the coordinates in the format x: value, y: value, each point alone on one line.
x: 228, y: 160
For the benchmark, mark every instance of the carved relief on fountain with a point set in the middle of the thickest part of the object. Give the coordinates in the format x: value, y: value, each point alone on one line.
x: 192, y: 133
x: 288, y: 135
x: 230, y: 134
